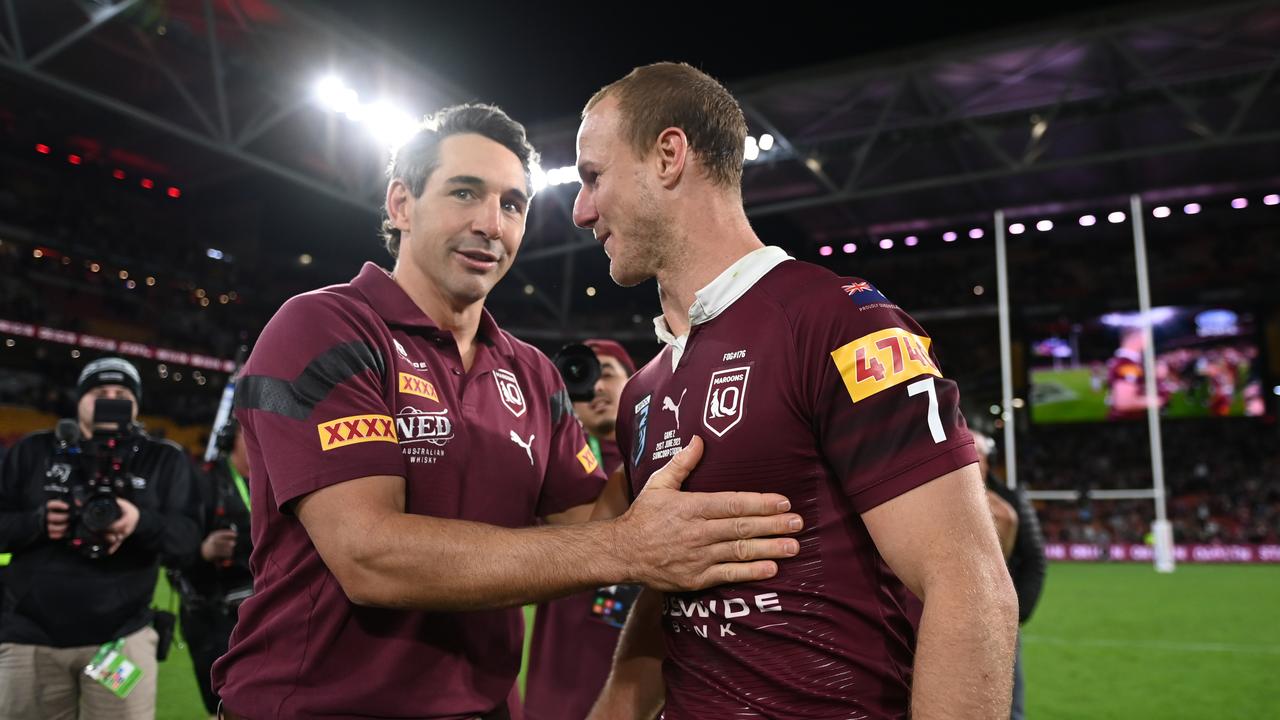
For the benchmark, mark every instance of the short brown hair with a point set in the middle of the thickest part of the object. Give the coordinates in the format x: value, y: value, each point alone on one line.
x: 414, y: 162
x: 655, y: 97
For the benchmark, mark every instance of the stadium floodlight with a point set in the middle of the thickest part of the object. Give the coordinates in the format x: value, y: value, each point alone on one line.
x: 825, y: 250
x: 886, y: 243
x: 1240, y: 203
x: 388, y: 124
x: 977, y: 233
x: 1044, y: 225
x: 334, y: 94
x: 949, y: 236
x: 1191, y: 208
x: 213, y: 253
x: 537, y: 177
x: 1017, y: 229
x: 563, y: 175
x: 1274, y: 390
x: 1088, y: 221
x: 766, y: 142
x: 1115, y: 217
x: 1272, y: 199
x: 1161, y: 212
x: 850, y: 248
x: 752, y: 150
x: 911, y: 241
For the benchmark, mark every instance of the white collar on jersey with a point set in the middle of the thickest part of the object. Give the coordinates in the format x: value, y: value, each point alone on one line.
x: 720, y: 293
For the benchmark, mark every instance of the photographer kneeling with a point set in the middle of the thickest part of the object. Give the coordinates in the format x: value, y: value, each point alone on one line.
x: 89, y: 511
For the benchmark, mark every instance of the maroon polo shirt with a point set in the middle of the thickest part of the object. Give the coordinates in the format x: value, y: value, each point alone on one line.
x: 819, y: 388
x: 572, y: 647
x: 351, y: 381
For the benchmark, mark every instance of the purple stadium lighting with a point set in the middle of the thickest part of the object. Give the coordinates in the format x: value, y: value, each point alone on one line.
x: 1088, y: 220
x: 1044, y: 225
x: 976, y: 233
x: 850, y: 248
x: 949, y: 236
x: 1272, y: 199
x: 1017, y: 229
x: 886, y: 243
x: 1191, y: 208
x: 1240, y: 203
x: 911, y: 241
x: 1161, y: 212
x: 1115, y: 217
x: 825, y: 250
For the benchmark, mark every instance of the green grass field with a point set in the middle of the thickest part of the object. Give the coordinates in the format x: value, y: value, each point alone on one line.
x: 1069, y: 396
x: 1121, y: 641
x: 1107, y: 641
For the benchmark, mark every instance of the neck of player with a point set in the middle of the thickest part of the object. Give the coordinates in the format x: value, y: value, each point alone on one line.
x: 463, y: 320
x: 715, y: 235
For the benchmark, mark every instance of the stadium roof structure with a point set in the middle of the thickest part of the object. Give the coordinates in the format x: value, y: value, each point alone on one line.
x: 1169, y: 101
x: 229, y: 79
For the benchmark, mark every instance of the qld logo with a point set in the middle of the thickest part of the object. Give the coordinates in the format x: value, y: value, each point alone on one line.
x: 509, y: 391
x: 726, y: 399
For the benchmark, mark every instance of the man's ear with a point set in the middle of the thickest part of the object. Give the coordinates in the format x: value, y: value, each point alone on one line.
x: 671, y: 156
x: 397, y: 206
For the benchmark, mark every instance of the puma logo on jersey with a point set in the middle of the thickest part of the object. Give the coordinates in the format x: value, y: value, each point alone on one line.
x: 527, y: 445
x: 674, y: 407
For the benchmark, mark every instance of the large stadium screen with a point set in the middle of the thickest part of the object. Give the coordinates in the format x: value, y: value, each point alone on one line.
x: 1207, y: 365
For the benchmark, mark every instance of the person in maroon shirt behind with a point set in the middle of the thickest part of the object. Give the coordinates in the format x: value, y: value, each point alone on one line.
x: 400, y: 444
x: 574, y: 637
x: 1126, y: 391
x: 801, y: 382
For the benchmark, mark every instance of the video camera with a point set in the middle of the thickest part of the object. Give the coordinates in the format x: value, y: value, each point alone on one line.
x: 580, y: 369
x: 89, y: 474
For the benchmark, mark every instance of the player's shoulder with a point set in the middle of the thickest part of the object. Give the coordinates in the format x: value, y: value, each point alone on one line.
x: 314, y: 323
x: 800, y: 287
x: 329, y: 303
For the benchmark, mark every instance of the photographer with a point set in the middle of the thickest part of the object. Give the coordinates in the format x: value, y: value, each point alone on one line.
x: 213, y: 583
x: 89, y: 512
x: 574, y: 637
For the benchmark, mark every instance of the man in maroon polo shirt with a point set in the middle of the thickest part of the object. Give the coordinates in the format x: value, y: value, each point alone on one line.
x: 799, y: 382
x: 574, y: 637
x: 400, y: 444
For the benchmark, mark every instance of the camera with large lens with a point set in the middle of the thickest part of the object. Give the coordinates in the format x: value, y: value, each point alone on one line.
x: 89, y: 474
x: 580, y: 370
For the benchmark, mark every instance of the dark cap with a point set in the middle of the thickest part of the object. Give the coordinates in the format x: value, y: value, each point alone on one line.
x: 110, y: 371
x: 614, y: 350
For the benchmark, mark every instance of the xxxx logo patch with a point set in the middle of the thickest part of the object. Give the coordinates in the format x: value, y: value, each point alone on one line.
x: 356, y: 429
x: 414, y: 385
x: 588, y: 459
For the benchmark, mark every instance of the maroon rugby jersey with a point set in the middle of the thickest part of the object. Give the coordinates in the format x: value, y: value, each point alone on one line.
x: 352, y: 381
x: 817, y: 387
x: 1125, y: 367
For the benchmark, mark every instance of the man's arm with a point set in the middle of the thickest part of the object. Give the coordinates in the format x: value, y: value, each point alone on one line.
x: 611, y: 503
x: 385, y: 557
x: 20, y: 526
x: 939, y: 539
x: 172, y: 529
x: 1031, y: 564
x: 635, y: 689
x: 1006, y: 520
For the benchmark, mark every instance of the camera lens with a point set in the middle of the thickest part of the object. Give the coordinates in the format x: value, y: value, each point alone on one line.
x: 99, y: 512
x: 580, y: 369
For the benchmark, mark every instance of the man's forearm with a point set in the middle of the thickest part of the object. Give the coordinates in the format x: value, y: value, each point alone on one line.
x: 964, y: 654
x: 417, y: 561
x: 635, y: 690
